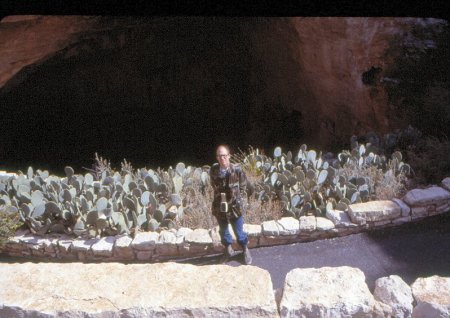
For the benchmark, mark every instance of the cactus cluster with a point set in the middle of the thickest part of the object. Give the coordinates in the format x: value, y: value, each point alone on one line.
x: 107, y: 202
x: 115, y: 203
x: 308, y: 183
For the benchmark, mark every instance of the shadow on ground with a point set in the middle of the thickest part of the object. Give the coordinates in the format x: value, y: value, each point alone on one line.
x: 418, y: 249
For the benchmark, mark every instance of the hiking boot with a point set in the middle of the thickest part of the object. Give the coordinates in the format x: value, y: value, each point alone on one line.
x: 247, y: 256
x: 229, y: 252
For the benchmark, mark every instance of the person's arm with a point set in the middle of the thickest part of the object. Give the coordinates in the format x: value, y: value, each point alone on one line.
x: 243, y: 184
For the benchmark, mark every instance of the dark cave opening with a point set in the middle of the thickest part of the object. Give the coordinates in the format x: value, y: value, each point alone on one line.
x: 182, y: 88
x: 370, y: 77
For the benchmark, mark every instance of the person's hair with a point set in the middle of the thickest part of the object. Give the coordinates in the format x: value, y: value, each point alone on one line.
x: 224, y: 146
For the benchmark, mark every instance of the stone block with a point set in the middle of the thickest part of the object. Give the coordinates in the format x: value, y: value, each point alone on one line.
x: 373, y: 211
x: 104, y: 246
x: 65, y: 244
x: 308, y: 224
x: 288, y: 226
x: 198, y: 237
x: 432, y: 295
x: 394, y: 292
x: 326, y: 292
x: 216, y: 239
x: 195, y: 250
x: 442, y: 208
x: 419, y: 212
x: 122, y: 248
x: 138, y: 290
x: 324, y: 224
x: 181, y: 234
x: 253, y: 230
x: 446, y: 183
x: 145, y: 241
x: 142, y: 255
x: 423, y: 197
x: 401, y: 220
x: 167, y: 244
x: 406, y: 210
x: 381, y: 223
x: 82, y: 245
x: 340, y: 218
x: 278, y: 240
x: 270, y: 228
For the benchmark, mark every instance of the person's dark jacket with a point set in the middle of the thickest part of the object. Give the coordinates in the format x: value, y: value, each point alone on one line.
x: 234, y: 185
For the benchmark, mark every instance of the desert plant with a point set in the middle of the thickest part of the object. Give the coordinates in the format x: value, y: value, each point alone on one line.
x: 9, y: 222
x: 108, y: 202
x: 429, y: 160
x: 197, y: 211
x: 259, y: 211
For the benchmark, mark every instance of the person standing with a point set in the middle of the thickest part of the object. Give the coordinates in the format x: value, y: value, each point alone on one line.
x: 229, y: 183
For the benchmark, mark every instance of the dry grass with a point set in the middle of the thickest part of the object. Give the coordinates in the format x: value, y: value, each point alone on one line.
x: 385, y: 186
x: 258, y: 212
x: 9, y: 222
x: 197, y: 212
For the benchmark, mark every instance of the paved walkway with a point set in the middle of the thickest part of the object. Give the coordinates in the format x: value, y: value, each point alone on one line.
x: 414, y: 250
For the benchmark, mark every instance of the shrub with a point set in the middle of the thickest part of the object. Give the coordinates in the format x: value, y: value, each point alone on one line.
x: 429, y: 159
x: 109, y: 202
x: 9, y: 223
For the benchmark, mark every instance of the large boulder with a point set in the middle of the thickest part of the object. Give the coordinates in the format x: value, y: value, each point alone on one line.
x: 327, y: 292
x: 394, y: 292
x: 134, y: 290
x: 432, y: 295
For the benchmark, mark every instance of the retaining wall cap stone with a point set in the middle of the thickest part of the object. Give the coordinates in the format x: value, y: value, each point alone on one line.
x: 339, y: 218
x: 145, y: 241
x: 270, y: 228
x: 253, y: 229
x: 326, y: 292
x: 197, y: 291
x: 81, y: 245
x: 324, y: 224
x: 288, y: 226
x: 426, y: 196
x: 373, y: 211
x: 406, y: 210
x: 183, y: 231
x: 123, y: 241
x: 198, y: 236
x: 446, y: 183
x: 308, y: 223
x: 104, y: 246
x: 167, y: 237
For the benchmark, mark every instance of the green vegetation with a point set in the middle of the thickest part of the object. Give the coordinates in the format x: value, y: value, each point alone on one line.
x: 108, y: 202
x: 9, y: 222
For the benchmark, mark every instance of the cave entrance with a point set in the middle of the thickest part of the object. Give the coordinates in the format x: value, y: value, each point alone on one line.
x: 173, y: 90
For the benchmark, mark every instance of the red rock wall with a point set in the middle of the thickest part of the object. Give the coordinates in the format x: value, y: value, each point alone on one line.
x: 293, y: 80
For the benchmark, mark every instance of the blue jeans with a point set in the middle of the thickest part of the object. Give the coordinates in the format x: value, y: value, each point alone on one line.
x: 238, y: 228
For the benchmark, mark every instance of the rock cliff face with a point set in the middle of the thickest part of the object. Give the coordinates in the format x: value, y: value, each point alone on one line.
x: 147, y: 86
